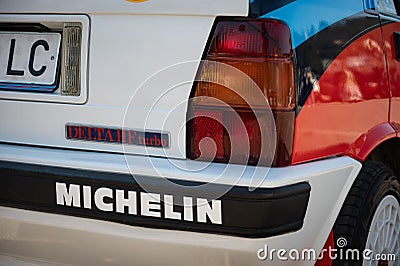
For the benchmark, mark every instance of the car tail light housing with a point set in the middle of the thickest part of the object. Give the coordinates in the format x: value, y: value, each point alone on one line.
x: 262, y: 50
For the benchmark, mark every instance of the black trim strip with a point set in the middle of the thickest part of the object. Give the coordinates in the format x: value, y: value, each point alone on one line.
x: 261, y: 213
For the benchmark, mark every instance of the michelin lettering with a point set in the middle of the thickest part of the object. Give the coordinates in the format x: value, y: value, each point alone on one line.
x: 127, y: 202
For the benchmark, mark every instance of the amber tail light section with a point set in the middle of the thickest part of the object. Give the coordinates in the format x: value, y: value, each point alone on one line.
x: 262, y: 50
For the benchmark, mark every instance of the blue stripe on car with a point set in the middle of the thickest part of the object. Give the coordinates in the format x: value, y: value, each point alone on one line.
x: 308, y: 17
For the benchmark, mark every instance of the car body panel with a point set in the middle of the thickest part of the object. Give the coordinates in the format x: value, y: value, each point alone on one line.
x: 116, y: 79
x: 332, y: 82
x: 101, y: 242
x: 112, y: 7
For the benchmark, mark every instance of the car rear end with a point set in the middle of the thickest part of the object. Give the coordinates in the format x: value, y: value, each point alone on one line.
x: 153, y: 132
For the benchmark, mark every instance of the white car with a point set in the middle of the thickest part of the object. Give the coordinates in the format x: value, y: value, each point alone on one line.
x: 213, y: 132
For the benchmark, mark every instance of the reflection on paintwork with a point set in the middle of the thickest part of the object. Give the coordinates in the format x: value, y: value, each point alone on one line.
x: 334, y: 114
x: 316, y: 54
x: 348, y: 80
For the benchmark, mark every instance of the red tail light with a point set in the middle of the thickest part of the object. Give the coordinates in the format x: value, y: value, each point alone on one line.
x: 262, y: 50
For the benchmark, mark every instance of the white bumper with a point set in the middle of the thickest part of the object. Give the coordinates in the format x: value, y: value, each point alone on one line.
x: 52, y: 238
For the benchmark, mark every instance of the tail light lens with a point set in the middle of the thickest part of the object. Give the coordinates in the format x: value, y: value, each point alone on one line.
x: 262, y: 50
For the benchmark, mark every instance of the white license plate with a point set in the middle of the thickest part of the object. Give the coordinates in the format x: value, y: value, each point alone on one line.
x: 29, y: 58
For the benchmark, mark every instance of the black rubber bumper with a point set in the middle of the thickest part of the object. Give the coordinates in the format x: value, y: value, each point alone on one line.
x: 260, y: 213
